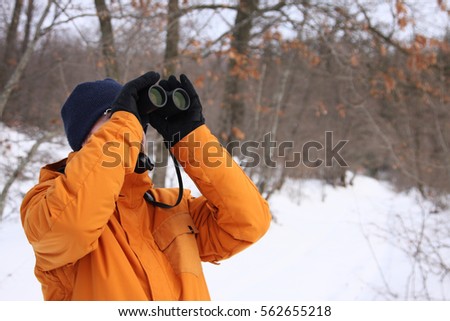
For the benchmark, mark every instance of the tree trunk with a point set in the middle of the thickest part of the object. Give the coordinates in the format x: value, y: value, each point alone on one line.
x: 272, y: 179
x: 10, y: 57
x: 233, y: 107
x: 170, y: 67
x: 107, y: 39
x: 26, y: 37
x: 18, y: 71
x: 172, y: 38
x: 11, y: 37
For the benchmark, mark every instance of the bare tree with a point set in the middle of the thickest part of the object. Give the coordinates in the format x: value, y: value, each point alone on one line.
x: 107, y: 40
x: 23, y: 162
x: 233, y: 105
x: 10, y: 55
x: 25, y: 58
x: 27, y: 32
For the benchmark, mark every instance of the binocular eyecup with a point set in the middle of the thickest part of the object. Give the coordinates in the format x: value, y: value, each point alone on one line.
x: 168, y: 103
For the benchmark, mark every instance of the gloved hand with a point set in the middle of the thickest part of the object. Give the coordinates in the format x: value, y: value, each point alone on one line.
x: 128, y: 98
x: 174, y: 128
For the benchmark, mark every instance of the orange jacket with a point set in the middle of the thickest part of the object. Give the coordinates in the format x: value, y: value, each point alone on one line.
x: 96, y: 238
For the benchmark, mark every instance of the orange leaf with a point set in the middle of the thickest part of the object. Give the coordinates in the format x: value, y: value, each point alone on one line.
x: 277, y: 36
x: 224, y: 136
x: 403, y: 22
x: 420, y: 42
x: 341, y: 110
x: 389, y: 83
x: 100, y: 64
x: 12, y: 61
x: 239, y: 134
x: 200, y: 82
x: 314, y: 61
x: 354, y: 60
x: 400, y: 6
x: 321, y: 109
x: 442, y: 5
x: 195, y: 43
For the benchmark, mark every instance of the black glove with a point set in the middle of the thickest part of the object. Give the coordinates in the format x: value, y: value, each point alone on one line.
x: 176, y: 127
x: 128, y: 98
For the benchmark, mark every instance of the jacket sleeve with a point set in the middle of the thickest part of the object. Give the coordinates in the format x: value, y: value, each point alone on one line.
x: 63, y: 217
x: 231, y: 214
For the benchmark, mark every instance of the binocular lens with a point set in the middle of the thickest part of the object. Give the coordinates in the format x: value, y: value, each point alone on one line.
x: 168, y: 103
x: 180, y: 99
x: 157, y: 96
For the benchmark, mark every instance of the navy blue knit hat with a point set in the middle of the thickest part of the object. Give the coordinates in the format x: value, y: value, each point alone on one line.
x: 85, y: 105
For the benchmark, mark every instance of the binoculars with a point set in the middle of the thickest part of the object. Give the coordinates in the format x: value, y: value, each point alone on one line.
x: 168, y: 103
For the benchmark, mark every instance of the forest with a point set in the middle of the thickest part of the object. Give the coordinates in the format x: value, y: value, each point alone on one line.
x: 369, y: 76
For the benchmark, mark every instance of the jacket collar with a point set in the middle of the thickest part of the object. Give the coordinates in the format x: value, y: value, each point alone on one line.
x: 134, y: 187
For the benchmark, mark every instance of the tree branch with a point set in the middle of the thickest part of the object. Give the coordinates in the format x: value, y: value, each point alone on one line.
x: 19, y: 169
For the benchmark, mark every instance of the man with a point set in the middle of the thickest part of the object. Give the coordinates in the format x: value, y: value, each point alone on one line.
x: 94, y: 234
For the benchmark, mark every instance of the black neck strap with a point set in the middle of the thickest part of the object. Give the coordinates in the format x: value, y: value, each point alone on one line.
x: 149, y: 197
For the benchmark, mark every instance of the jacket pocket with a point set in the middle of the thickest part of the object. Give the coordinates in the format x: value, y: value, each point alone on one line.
x: 176, y: 238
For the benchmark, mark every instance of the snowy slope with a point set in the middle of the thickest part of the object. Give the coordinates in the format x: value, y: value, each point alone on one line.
x: 326, y: 244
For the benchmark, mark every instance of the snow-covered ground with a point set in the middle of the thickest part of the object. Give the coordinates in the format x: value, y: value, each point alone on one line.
x: 327, y: 243
x: 340, y: 248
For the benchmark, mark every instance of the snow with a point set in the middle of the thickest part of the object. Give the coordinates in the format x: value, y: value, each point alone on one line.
x: 326, y: 243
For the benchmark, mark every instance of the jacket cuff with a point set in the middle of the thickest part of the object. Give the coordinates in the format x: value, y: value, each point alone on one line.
x: 194, y: 147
